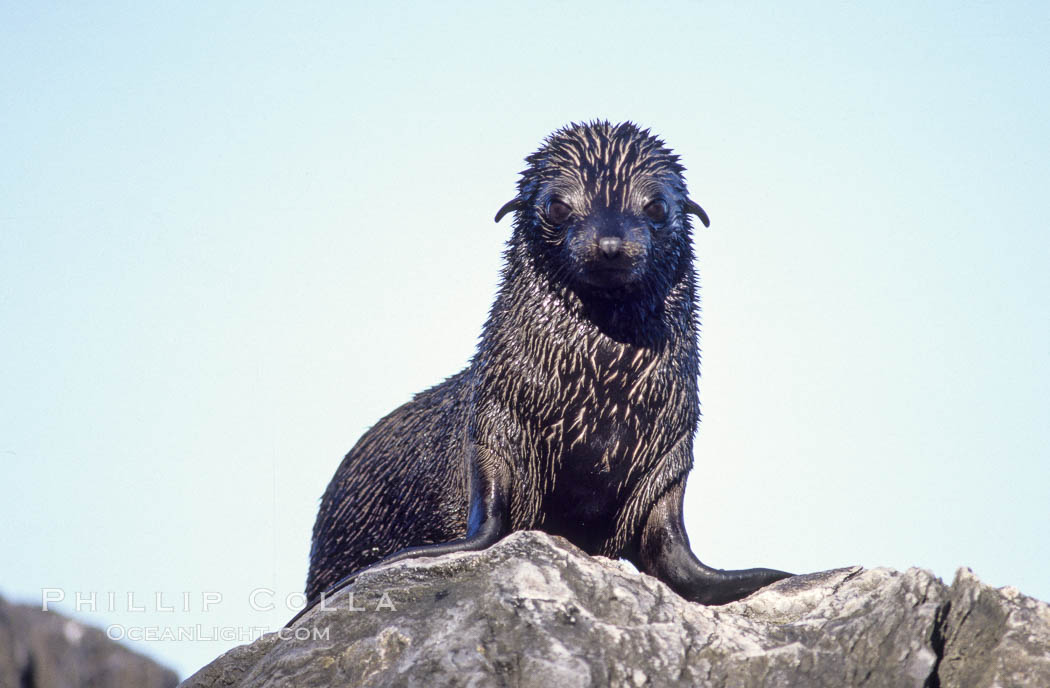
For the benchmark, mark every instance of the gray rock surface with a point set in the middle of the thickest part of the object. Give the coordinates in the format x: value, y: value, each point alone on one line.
x: 535, y: 611
x: 47, y: 650
x: 993, y: 637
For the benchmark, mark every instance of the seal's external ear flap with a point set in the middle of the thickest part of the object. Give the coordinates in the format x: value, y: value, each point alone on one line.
x: 515, y: 204
x: 691, y: 207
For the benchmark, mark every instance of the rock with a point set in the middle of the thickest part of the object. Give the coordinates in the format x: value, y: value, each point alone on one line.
x: 535, y: 611
x: 41, y: 649
x: 993, y: 637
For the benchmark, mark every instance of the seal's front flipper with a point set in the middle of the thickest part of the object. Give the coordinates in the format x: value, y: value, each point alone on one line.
x: 664, y: 552
x: 488, y: 519
x: 487, y: 523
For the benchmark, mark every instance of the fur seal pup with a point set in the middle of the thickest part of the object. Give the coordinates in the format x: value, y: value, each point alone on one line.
x: 577, y: 413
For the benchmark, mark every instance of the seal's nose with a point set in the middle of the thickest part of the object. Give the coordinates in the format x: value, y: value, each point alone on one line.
x: 610, y: 246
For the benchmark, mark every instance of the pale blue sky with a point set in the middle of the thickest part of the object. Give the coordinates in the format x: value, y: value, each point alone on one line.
x: 233, y: 236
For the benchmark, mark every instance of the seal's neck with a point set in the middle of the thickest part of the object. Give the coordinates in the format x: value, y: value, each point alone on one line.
x: 639, y: 319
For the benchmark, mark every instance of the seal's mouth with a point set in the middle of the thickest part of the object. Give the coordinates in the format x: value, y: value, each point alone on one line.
x: 608, y: 274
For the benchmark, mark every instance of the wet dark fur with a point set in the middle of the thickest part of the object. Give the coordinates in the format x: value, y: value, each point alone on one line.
x: 581, y: 398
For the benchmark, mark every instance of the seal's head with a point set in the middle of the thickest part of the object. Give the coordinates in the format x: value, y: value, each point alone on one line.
x: 605, y: 208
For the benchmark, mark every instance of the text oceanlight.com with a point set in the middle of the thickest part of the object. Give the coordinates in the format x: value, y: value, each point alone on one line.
x: 199, y: 632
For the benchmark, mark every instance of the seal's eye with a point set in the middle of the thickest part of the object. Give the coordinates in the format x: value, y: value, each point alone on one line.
x: 558, y: 211
x: 656, y: 210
